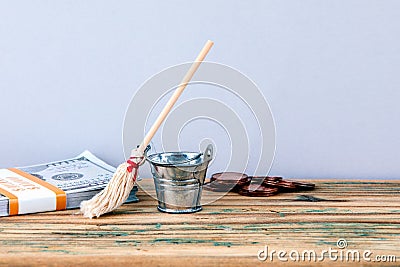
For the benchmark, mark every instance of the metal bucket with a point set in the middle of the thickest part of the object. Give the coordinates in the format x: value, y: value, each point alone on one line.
x: 179, y: 178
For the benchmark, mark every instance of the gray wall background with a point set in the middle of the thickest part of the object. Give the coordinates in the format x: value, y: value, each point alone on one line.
x: 329, y: 69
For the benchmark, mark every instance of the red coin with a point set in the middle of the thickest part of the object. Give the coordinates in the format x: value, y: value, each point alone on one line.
x: 218, y: 187
x: 303, y: 185
x: 228, y: 177
x: 256, y: 190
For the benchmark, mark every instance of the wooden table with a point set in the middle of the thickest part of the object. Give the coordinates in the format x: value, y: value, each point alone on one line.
x: 228, y: 232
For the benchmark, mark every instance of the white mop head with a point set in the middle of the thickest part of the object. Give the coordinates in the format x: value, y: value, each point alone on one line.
x: 117, y: 189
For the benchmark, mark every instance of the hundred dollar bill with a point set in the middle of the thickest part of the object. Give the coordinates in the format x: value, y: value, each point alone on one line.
x: 80, y: 178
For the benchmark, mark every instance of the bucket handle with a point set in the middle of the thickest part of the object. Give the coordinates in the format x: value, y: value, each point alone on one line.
x: 208, y: 153
x: 208, y: 156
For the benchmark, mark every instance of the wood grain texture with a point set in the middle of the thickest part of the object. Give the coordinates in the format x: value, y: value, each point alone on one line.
x: 228, y: 232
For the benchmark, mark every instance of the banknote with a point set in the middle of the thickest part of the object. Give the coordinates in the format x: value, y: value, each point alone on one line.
x: 80, y: 178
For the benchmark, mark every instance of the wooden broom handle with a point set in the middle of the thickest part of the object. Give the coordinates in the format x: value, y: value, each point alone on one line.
x: 171, y: 102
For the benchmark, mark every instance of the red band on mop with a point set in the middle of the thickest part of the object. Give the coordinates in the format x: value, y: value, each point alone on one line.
x: 132, y: 164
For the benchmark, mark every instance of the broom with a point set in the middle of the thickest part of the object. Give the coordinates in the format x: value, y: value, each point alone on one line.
x: 118, y: 189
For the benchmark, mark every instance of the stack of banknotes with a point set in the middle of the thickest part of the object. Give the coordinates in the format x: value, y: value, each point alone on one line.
x: 80, y: 178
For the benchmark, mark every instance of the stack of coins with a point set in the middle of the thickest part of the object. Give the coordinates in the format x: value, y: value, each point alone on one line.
x: 227, y: 181
x: 256, y: 190
x: 254, y: 186
x: 287, y: 185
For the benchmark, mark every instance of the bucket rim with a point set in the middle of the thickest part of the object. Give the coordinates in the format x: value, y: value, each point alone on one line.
x: 184, y: 164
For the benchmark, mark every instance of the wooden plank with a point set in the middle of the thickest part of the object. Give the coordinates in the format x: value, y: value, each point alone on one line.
x: 228, y: 232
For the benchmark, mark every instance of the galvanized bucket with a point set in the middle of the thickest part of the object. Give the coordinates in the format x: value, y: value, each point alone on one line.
x: 179, y: 178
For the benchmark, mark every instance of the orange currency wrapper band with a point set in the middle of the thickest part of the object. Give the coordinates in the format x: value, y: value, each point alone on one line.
x: 119, y: 187
x: 28, y: 194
